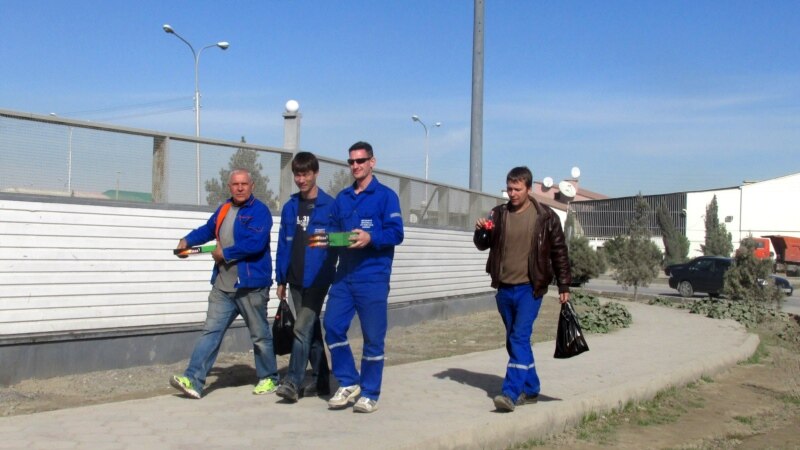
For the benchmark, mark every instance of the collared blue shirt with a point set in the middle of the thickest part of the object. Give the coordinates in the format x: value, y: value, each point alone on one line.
x: 375, y: 210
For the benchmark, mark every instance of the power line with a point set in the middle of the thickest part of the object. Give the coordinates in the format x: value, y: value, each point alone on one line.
x: 126, y: 107
x: 150, y: 113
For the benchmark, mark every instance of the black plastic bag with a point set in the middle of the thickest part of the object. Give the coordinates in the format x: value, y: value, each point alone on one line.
x: 569, y: 338
x: 283, y: 329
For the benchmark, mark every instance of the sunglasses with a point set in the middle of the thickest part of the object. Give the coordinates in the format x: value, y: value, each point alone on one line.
x: 357, y: 161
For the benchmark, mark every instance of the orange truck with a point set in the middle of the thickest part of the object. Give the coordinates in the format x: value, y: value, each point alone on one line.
x: 785, y: 250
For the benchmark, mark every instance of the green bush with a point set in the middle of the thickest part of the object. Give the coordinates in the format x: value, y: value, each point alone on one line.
x: 748, y: 279
x: 600, y: 318
x: 584, y: 262
x: 748, y: 314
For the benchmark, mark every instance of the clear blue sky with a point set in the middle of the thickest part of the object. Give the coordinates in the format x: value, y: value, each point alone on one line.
x: 650, y: 96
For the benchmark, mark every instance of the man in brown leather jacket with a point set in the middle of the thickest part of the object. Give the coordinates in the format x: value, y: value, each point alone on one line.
x: 527, y: 249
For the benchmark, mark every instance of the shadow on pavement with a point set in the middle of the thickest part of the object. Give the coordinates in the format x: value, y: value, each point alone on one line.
x: 483, y: 381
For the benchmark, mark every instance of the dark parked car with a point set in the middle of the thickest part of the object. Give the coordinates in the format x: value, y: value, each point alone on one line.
x: 703, y: 274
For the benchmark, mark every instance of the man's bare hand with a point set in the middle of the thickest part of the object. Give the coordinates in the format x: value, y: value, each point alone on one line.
x: 563, y: 297
x: 360, y: 240
x: 217, y: 255
x: 281, y: 291
x: 182, y: 245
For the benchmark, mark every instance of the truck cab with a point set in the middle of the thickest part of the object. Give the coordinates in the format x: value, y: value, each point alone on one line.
x: 763, y: 248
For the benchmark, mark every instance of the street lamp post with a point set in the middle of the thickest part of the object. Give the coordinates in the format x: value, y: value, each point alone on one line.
x: 224, y: 46
x: 416, y: 118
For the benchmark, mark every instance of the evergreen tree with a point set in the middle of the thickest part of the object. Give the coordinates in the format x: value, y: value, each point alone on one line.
x: 718, y: 240
x: 612, y: 249
x: 244, y: 158
x: 341, y: 180
x: 676, y: 245
x: 636, y: 261
x: 748, y: 279
x: 584, y: 262
x: 569, y: 227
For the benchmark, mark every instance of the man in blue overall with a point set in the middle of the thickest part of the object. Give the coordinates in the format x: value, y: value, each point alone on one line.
x: 241, y: 279
x: 526, y: 249
x: 309, y: 272
x: 372, y: 212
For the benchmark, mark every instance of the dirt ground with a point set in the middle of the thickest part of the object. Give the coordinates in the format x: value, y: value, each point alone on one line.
x: 753, y: 405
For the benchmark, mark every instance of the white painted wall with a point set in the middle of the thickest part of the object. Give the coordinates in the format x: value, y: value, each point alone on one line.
x: 696, y: 204
x: 761, y: 208
x: 772, y: 207
x: 67, y: 267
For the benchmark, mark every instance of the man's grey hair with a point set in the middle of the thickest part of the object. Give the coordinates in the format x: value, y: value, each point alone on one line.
x: 244, y: 171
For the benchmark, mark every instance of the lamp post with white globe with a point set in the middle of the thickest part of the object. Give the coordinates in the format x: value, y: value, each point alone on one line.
x: 291, y: 125
x: 416, y: 118
x: 196, y: 54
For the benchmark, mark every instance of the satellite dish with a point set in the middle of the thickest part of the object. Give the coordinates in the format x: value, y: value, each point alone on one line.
x: 547, y: 182
x: 576, y: 172
x: 567, y: 189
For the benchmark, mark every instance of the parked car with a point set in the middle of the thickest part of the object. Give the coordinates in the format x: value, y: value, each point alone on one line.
x: 783, y: 284
x: 702, y: 274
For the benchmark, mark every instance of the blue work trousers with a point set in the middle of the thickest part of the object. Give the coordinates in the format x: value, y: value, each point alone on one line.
x: 519, y: 309
x: 223, y: 308
x: 370, y: 301
x: 307, y: 345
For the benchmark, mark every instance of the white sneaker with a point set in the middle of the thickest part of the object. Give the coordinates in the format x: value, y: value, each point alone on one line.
x: 365, y: 405
x: 343, y: 396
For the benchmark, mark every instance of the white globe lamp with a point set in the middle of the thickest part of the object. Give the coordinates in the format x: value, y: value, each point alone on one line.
x: 292, y: 106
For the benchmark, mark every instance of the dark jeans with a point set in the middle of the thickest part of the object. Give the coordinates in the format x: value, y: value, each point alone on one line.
x: 308, y: 345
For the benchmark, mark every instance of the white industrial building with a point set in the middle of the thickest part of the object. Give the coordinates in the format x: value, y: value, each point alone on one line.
x: 754, y: 208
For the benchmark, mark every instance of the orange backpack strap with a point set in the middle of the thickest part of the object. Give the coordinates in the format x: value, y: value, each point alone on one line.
x: 220, y: 217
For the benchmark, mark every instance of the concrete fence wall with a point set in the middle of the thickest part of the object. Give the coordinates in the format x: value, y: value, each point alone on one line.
x: 78, y: 276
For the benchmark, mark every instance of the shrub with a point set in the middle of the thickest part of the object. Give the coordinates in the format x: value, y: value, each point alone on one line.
x: 748, y: 279
x: 600, y: 318
x: 584, y: 262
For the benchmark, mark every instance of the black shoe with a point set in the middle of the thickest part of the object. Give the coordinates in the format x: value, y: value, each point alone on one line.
x: 525, y: 399
x: 287, y: 391
x: 319, y: 389
x: 503, y: 403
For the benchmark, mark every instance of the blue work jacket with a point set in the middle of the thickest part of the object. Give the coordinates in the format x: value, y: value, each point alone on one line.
x: 250, y: 250
x: 375, y: 210
x: 320, y: 263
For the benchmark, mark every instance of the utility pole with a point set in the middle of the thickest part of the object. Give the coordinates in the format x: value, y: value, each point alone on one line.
x: 476, y: 133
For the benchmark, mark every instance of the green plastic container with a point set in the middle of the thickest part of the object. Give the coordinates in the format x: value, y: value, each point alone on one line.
x: 341, y: 239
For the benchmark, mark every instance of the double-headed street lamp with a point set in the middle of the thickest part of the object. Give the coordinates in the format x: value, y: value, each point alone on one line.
x: 224, y: 46
x: 416, y: 118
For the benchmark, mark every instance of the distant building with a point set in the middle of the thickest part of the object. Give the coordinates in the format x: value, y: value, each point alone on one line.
x: 754, y: 208
x: 560, y: 201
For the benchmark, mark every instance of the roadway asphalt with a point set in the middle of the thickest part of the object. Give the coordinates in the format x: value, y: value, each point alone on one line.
x: 442, y: 403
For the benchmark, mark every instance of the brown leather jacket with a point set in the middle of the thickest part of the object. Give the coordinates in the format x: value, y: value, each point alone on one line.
x: 548, y: 255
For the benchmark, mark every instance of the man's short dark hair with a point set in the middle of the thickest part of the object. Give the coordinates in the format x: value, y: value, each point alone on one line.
x: 521, y: 173
x: 361, y: 145
x: 305, y: 161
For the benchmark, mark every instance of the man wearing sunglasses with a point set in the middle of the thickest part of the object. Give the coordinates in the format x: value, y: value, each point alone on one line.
x: 371, y: 211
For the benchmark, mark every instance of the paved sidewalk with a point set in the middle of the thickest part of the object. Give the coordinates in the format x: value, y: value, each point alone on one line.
x: 443, y: 403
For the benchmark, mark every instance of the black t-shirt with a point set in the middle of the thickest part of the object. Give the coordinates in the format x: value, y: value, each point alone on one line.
x: 296, y: 264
